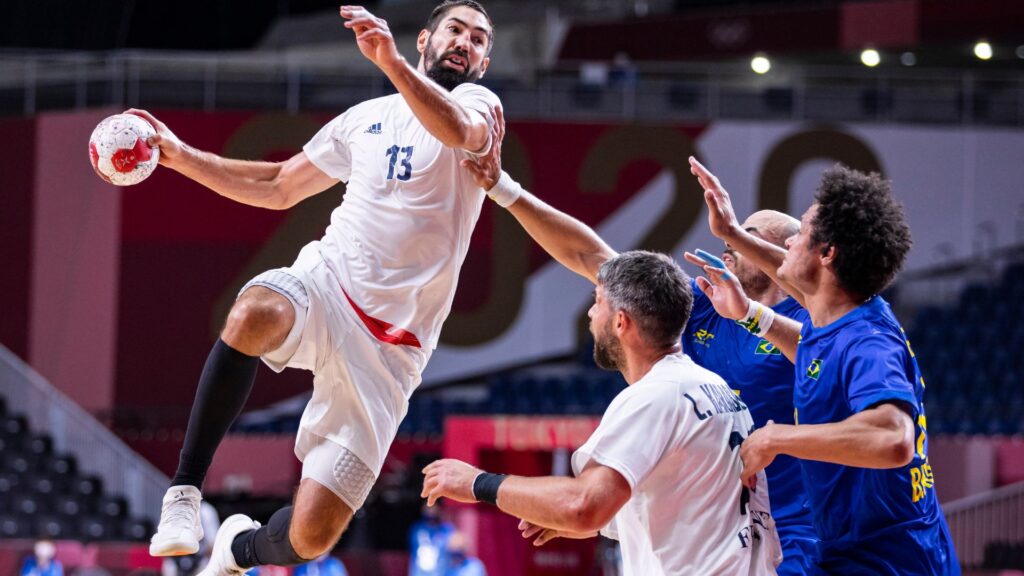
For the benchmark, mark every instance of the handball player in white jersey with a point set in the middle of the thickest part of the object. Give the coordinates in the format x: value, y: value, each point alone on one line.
x: 361, y: 308
x: 661, y: 474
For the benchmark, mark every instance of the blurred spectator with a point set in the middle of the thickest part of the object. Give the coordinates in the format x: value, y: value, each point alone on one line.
x: 325, y: 565
x: 428, y: 543
x: 460, y: 563
x: 623, y: 73
x: 42, y: 561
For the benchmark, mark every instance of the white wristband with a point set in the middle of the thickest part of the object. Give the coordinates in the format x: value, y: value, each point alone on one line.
x: 759, y: 318
x: 505, y: 191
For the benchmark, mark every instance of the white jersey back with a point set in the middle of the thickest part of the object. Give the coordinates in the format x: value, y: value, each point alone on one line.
x: 674, y: 436
x: 398, y: 240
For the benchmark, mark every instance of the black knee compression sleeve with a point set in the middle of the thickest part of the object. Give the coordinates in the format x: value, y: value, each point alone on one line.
x: 268, y: 545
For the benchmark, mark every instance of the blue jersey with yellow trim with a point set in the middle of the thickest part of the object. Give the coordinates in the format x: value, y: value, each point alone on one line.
x: 869, y: 521
x: 763, y: 378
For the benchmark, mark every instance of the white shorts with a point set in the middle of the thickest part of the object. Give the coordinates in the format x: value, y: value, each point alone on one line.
x: 361, y: 386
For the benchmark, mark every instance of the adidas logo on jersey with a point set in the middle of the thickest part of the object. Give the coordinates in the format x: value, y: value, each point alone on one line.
x: 373, y: 129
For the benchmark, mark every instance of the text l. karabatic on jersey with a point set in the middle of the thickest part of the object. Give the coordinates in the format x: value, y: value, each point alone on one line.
x: 869, y: 521
x: 757, y: 371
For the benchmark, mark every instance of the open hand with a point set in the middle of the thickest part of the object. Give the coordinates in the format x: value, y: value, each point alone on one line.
x: 449, y: 478
x: 721, y: 287
x: 372, y: 36
x: 721, y: 217
x: 486, y: 169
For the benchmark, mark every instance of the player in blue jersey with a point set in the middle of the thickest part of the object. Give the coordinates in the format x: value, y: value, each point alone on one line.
x: 757, y: 370
x: 861, y: 431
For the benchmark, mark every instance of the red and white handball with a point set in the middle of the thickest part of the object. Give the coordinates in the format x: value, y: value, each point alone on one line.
x: 119, y: 152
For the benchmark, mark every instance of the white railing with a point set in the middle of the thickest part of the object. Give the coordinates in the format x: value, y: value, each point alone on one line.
x: 976, y: 521
x: 96, y: 449
x: 273, y: 80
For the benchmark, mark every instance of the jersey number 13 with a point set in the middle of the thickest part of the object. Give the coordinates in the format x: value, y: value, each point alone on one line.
x: 405, y: 170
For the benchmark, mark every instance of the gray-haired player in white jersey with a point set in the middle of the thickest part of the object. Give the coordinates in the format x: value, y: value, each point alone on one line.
x: 661, y: 473
x: 361, y: 308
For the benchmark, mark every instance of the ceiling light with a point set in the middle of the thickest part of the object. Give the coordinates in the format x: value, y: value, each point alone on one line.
x: 870, y: 57
x: 983, y: 50
x: 908, y: 59
x: 760, y: 64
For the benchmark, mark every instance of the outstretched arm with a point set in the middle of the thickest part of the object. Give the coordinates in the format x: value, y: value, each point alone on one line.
x: 273, y: 185
x: 434, y: 107
x: 569, y: 241
x: 724, y: 224
x: 581, y: 505
x: 880, y: 437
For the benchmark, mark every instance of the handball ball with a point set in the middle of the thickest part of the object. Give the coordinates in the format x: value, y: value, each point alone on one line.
x: 119, y: 152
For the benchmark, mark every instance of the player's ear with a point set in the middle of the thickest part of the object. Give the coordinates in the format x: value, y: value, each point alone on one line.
x: 828, y: 255
x: 622, y: 321
x: 483, y: 65
x: 421, y: 40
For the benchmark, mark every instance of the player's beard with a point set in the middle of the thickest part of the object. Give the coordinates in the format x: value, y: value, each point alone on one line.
x: 753, y: 282
x: 449, y: 78
x: 608, y: 350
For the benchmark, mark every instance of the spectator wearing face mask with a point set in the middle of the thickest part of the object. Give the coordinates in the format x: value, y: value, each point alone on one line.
x: 43, y: 561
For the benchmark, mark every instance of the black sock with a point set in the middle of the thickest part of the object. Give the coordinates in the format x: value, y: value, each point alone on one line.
x: 267, y: 545
x: 223, y: 389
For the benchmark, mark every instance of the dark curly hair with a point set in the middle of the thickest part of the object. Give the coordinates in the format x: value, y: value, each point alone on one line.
x: 441, y: 9
x: 858, y: 214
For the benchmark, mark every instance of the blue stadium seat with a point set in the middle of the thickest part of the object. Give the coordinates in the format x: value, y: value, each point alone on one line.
x: 94, y: 528
x: 70, y: 505
x: 64, y: 465
x: 43, y: 484
x: 40, y: 445
x: 17, y: 462
x: 87, y: 486
x: 55, y: 527
x: 28, y: 504
x: 112, y: 506
x: 137, y: 529
x: 15, y: 526
x: 10, y: 482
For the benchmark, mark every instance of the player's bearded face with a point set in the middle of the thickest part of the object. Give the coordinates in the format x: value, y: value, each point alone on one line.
x: 751, y: 278
x: 607, y: 348
x: 441, y: 70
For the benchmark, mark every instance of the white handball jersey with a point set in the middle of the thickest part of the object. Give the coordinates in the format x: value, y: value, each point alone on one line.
x: 674, y: 436
x: 398, y: 240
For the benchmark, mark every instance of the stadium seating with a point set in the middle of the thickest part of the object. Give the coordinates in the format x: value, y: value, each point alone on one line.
x: 42, y: 494
x: 969, y: 357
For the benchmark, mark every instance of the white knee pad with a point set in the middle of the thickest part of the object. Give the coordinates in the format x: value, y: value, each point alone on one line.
x: 340, y: 471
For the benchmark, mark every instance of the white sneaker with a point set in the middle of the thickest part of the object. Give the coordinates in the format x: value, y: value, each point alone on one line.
x: 222, y: 561
x: 180, y: 530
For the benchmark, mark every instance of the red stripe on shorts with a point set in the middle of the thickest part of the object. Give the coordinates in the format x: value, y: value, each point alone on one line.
x: 384, y: 331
